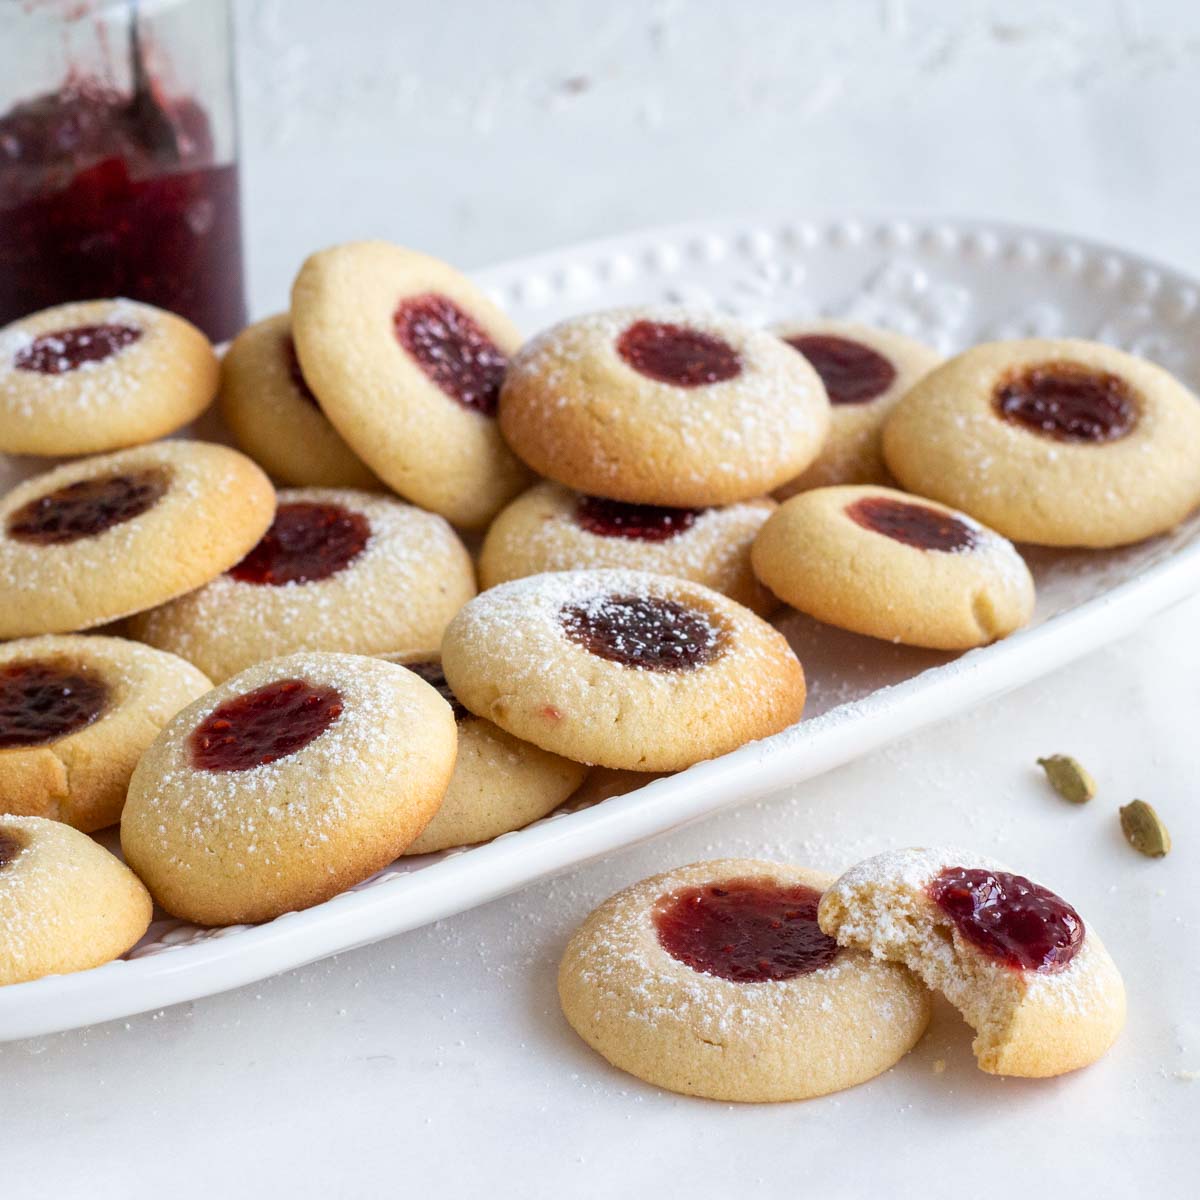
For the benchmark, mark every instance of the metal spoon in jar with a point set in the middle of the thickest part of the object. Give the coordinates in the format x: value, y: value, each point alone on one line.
x: 148, y: 116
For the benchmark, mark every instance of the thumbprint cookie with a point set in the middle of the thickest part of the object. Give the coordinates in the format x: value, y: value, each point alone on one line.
x: 663, y: 406
x: 105, y: 537
x: 287, y: 784
x: 100, y: 375
x: 552, y: 529
x: 76, y: 713
x: 1034, y: 982
x: 499, y: 783
x: 622, y: 668
x: 894, y: 566
x: 66, y: 903
x: 406, y: 357
x: 274, y: 416
x: 1060, y: 443
x: 337, y: 570
x: 715, y: 980
x: 865, y: 372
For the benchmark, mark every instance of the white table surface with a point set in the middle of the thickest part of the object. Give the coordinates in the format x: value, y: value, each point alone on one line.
x: 438, y: 1060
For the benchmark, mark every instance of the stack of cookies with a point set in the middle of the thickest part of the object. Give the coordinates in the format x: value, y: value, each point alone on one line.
x: 270, y: 663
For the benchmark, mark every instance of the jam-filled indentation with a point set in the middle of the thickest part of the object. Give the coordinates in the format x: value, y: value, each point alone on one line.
x: 651, y: 632
x: 1068, y: 402
x: 637, y: 522
x: 1010, y: 918
x: 453, y: 350
x: 67, y: 350
x: 42, y: 701
x: 87, y: 508
x: 307, y: 542
x: 852, y: 372
x: 915, y: 525
x: 263, y: 726
x: 745, y: 930
x: 291, y: 361
x: 433, y: 675
x: 678, y: 355
x: 12, y: 842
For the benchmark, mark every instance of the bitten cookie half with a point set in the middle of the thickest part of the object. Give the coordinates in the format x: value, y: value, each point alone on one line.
x: 865, y: 372
x: 663, y: 406
x: 66, y: 904
x: 714, y: 980
x: 894, y: 566
x: 1034, y: 982
x: 406, y: 356
x: 100, y: 375
x: 76, y: 714
x: 622, y: 668
x: 291, y: 782
x: 1060, y: 443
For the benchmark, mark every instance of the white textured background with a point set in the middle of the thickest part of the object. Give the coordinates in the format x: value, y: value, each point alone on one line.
x: 436, y: 1063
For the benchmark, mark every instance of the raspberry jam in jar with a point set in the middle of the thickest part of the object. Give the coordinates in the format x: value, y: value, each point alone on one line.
x: 118, y: 170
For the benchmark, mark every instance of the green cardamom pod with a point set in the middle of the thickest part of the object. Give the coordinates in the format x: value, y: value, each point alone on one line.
x: 1144, y: 830
x: 1068, y: 778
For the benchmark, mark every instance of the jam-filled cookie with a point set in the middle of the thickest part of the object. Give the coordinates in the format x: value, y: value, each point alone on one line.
x: 66, y: 903
x: 76, y: 713
x: 105, y: 537
x: 894, y: 566
x: 337, y: 570
x: 286, y: 785
x: 552, y: 529
x: 100, y: 375
x: 622, y: 668
x: 1034, y: 982
x: 663, y: 406
x: 865, y: 371
x: 499, y: 783
x: 274, y: 416
x: 406, y: 357
x: 1060, y: 443
x: 715, y: 980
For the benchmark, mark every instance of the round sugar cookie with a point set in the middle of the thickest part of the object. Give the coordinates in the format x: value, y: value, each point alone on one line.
x: 663, y: 406
x: 499, y: 783
x: 66, y: 904
x: 865, y: 372
x: 105, y: 537
x: 76, y: 713
x: 1030, y: 977
x: 287, y: 784
x: 406, y: 357
x: 894, y: 566
x: 100, y: 375
x: 622, y: 668
x: 714, y: 980
x: 338, y: 570
x: 275, y: 418
x: 552, y: 529
x: 1060, y: 443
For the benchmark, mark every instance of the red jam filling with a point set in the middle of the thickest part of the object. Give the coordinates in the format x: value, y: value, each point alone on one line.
x: 92, y: 204
x: 66, y: 349
x: 677, y: 355
x: 745, y: 930
x: 87, y: 508
x: 1015, y: 921
x: 1068, y: 402
x: 851, y: 372
x: 306, y: 542
x: 11, y: 844
x: 433, y: 674
x: 644, y: 631
x: 638, y: 522
x: 452, y: 350
x: 295, y: 374
x: 41, y: 702
x: 264, y: 725
x: 913, y: 524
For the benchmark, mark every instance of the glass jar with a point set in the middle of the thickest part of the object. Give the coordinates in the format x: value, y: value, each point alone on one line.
x: 118, y: 158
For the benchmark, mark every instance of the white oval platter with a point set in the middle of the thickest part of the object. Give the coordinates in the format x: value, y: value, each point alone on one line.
x: 949, y: 282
